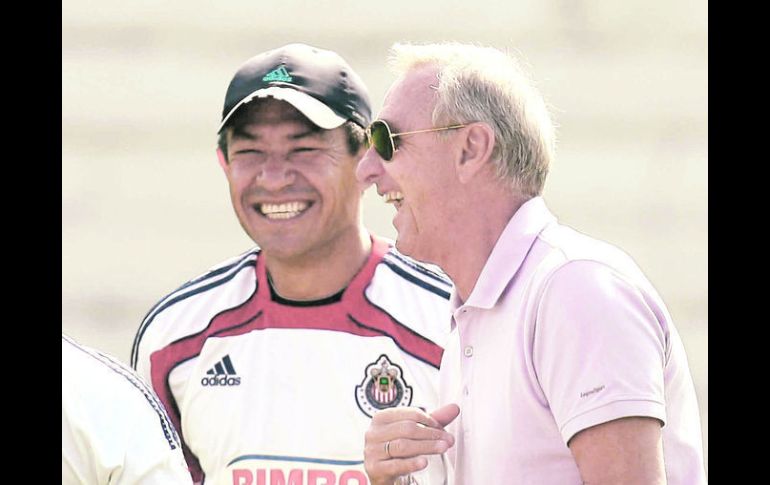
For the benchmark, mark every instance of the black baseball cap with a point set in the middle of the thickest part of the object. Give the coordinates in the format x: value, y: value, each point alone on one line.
x: 318, y: 82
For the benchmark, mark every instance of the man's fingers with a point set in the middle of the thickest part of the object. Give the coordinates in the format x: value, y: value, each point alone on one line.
x: 392, y: 415
x: 400, y: 439
x: 397, y: 467
x: 405, y: 448
x: 406, y: 430
x: 445, y: 414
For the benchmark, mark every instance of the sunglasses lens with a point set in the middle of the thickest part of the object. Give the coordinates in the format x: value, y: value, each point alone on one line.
x: 380, y: 139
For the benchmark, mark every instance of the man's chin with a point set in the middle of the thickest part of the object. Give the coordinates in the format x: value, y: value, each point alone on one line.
x: 405, y: 245
x: 282, y: 252
x: 411, y: 246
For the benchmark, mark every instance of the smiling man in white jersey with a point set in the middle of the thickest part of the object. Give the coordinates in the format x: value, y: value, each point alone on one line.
x: 273, y: 362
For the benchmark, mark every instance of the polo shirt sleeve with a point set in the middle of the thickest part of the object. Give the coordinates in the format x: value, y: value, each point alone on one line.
x: 599, y: 349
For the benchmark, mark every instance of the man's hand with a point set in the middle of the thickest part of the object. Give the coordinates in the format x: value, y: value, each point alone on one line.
x: 398, y: 438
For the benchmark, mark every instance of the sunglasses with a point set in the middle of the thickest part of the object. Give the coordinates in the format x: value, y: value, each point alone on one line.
x: 379, y: 136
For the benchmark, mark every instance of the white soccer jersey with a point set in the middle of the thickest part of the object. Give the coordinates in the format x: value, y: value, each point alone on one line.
x: 267, y: 392
x: 113, y: 428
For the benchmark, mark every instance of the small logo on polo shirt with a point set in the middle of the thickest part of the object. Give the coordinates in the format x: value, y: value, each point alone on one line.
x: 383, y: 387
x: 592, y: 391
x: 278, y: 74
x: 222, y: 374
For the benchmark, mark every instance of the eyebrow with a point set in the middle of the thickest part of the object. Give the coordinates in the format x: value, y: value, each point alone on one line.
x: 311, y: 131
x: 393, y: 126
x: 241, y: 133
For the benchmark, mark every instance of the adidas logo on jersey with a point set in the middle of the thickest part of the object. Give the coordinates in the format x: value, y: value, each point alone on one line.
x: 222, y: 374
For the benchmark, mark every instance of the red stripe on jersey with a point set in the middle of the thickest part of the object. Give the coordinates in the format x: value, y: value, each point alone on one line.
x: 352, y: 314
x: 369, y: 316
x: 163, y: 361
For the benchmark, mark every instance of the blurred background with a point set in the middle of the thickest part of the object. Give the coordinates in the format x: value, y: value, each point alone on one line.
x: 145, y: 206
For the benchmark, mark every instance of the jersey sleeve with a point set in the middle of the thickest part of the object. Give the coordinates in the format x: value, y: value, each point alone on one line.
x: 599, y: 350
x: 149, y: 339
x: 151, y: 457
x: 114, y: 428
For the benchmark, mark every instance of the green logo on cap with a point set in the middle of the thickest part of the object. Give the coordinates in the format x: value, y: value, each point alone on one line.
x: 278, y: 74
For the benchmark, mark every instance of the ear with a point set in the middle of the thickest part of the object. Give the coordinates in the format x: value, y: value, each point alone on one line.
x: 222, y: 161
x: 477, y: 149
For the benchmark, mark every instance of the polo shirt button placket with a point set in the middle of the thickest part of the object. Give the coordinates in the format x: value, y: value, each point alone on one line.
x: 467, y: 367
x: 468, y: 352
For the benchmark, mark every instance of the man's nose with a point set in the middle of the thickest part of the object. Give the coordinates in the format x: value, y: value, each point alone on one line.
x: 275, y: 174
x: 369, y: 167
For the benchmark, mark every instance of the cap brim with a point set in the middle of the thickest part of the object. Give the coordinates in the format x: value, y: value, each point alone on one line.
x: 317, y: 112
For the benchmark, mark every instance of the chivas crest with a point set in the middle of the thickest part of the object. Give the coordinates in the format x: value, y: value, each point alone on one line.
x: 383, y: 387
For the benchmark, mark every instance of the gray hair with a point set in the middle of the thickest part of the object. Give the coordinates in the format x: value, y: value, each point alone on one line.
x: 483, y: 84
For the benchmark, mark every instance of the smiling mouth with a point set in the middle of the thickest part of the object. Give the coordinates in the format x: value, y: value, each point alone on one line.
x: 282, y: 211
x: 393, y: 197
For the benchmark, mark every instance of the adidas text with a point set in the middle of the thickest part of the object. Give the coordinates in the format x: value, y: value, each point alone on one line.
x: 221, y: 381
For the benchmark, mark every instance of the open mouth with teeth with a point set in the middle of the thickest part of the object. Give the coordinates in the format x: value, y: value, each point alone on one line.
x: 284, y: 210
x: 393, y: 197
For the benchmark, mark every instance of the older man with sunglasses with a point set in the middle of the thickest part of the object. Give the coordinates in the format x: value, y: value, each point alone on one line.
x: 272, y: 363
x: 563, y: 359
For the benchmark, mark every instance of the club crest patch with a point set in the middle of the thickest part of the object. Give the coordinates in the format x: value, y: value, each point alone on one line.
x: 383, y: 387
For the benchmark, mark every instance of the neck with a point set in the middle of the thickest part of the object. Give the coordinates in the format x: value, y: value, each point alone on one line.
x: 479, y: 233
x: 324, y: 273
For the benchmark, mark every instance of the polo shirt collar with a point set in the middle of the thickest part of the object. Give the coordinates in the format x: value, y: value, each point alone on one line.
x: 508, y: 254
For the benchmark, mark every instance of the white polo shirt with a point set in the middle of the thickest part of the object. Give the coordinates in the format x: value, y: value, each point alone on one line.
x: 561, y: 332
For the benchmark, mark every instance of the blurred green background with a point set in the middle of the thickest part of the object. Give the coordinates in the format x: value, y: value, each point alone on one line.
x: 145, y: 206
